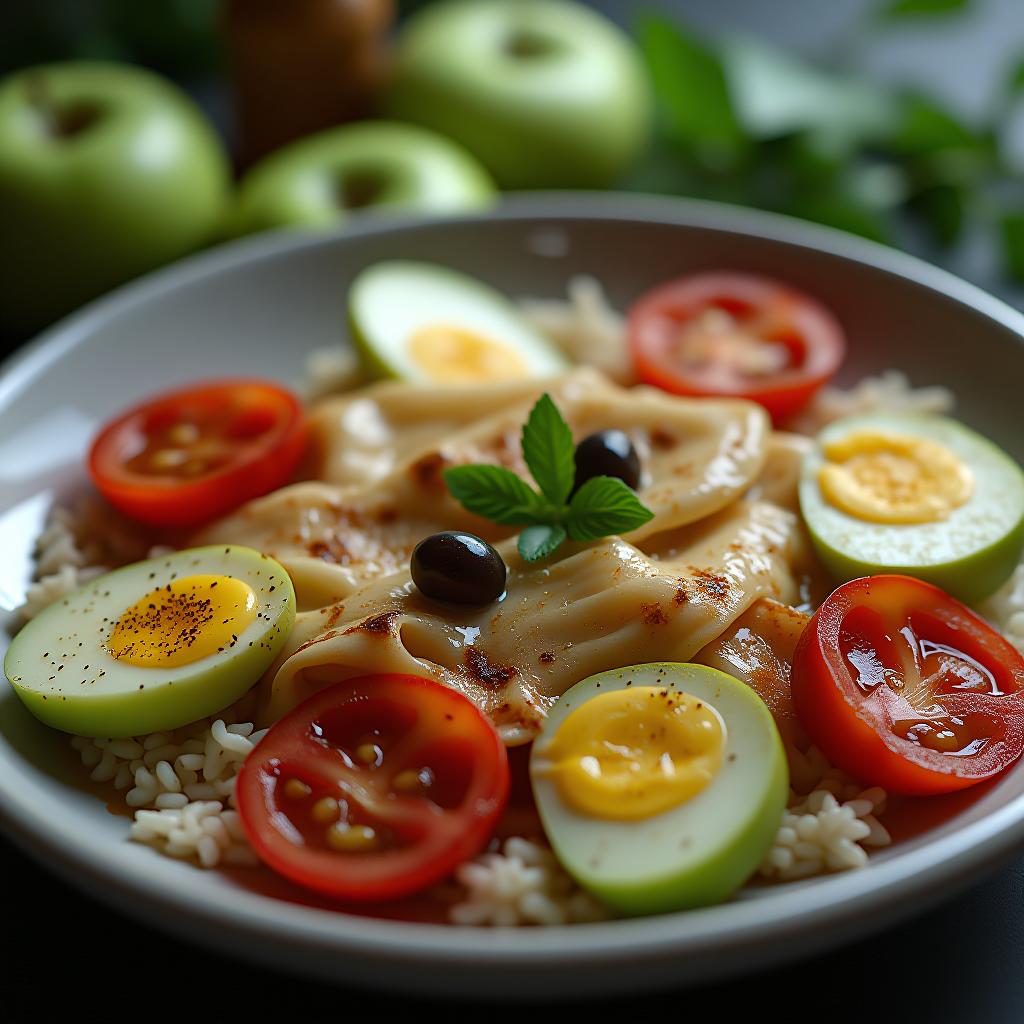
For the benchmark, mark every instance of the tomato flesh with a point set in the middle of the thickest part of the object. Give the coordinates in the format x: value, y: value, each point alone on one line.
x: 189, y: 456
x: 374, y: 788
x: 735, y: 335
x: 904, y: 687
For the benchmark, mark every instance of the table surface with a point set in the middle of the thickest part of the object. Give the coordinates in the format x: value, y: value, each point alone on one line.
x: 962, y: 962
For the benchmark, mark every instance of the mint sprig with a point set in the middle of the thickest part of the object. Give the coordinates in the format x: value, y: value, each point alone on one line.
x: 548, y: 450
x: 495, y: 493
x: 537, y: 542
x: 602, y: 506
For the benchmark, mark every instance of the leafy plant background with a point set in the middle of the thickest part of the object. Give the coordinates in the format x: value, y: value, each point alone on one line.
x: 934, y: 170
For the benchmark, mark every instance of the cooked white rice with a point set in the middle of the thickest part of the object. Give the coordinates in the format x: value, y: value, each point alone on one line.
x: 585, y: 327
x: 1005, y: 608
x: 181, y: 785
x: 329, y: 371
x: 77, y: 545
x: 521, y: 884
x: 830, y: 829
x: 890, y: 390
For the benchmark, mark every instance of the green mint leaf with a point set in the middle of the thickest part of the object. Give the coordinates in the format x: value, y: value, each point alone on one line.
x: 495, y: 493
x: 548, y: 450
x: 537, y: 542
x: 605, y: 505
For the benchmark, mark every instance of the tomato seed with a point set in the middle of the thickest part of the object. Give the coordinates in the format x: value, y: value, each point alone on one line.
x: 325, y: 810
x: 412, y: 781
x: 183, y: 434
x: 406, y: 782
x: 370, y: 754
x: 296, y: 789
x: 350, y: 838
x: 168, y: 458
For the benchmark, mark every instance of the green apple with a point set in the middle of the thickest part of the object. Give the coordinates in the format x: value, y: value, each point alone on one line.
x: 318, y: 181
x: 106, y: 171
x: 546, y: 93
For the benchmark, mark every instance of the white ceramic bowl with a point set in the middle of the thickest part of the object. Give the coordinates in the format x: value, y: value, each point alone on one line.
x: 258, y: 307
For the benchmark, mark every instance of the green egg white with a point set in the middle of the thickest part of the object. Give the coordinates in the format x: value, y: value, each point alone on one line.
x: 698, y: 852
x: 390, y: 301
x: 969, y: 554
x: 62, y: 670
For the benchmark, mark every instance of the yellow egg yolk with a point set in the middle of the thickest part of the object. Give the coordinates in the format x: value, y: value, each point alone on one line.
x: 893, y: 478
x: 453, y: 354
x: 634, y: 753
x: 184, y: 621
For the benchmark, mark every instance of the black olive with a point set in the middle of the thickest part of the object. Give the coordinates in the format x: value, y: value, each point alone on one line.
x: 458, y: 568
x: 607, y: 453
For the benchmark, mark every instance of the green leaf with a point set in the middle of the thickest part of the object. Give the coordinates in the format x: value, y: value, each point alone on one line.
x: 495, y: 493
x: 537, y: 542
x: 691, y: 91
x: 605, y: 505
x: 926, y: 127
x: 1011, y: 227
x: 942, y: 208
x: 775, y: 94
x: 839, y: 210
x: 917, y: 8
x: 1015, y: 80
x: 548, y: 450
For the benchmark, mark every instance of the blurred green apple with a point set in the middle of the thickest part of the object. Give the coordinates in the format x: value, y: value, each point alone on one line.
x: 318, y: 181
x: 546, y: 93
x: 106, y: 171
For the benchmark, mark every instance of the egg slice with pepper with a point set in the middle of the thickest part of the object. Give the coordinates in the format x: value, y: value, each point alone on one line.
x: 660, y: 786
x: 154, y: 645
x: 925, y: 496
x: 423, y: 322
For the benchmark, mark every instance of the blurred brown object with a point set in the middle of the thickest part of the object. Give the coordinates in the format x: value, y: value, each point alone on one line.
x: 302, y: 65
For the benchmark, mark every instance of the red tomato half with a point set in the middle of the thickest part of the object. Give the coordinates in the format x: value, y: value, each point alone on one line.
x: 904, y: 687
x: 186, y: 457
x: 738, y: 336
x: 374, y: 788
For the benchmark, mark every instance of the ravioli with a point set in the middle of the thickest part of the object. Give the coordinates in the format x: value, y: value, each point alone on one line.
x: 667, y: 595
x: 384, y: 453
x: 363, y: 436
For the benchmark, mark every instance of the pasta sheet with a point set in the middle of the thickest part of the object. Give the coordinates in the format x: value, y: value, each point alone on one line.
x: 601, y: 605
x: 724, y: 535
x: 383, y: 489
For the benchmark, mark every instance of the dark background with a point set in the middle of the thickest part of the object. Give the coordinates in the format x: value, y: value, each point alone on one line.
x: 963, y: 962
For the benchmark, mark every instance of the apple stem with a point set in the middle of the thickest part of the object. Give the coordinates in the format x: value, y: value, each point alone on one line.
x: 60, y: 121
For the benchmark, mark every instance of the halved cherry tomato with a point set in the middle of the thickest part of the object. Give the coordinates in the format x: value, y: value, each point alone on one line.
x: 904, y: 687
x: 738, y: 336
x: 186, y: 457
x: 374, y: 788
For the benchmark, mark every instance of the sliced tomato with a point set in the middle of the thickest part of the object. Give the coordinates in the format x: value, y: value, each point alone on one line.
x: 188, y: 456
x: 904, y: 687
x: 374, y: 788
x: 735, y: 335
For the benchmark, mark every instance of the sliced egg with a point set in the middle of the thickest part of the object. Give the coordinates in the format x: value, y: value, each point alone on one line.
x: 660, y: 786
x: 424, y: 322
x: 154, y: 645
x: 921, y: 495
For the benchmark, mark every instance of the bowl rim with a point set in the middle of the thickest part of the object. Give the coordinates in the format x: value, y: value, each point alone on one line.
x: 909, y: 879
